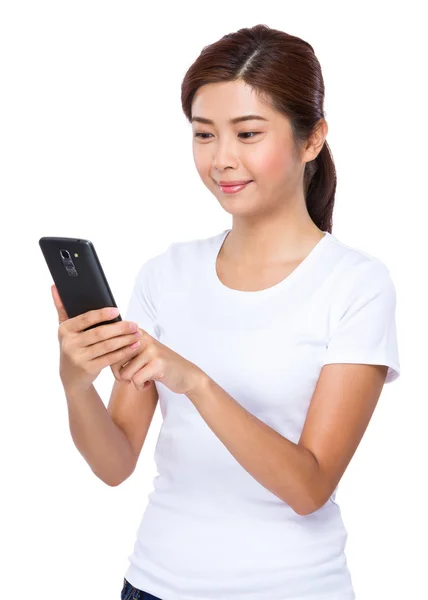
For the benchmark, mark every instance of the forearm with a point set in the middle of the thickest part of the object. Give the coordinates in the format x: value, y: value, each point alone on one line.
x: 286, y: 469
x: 99, y: 440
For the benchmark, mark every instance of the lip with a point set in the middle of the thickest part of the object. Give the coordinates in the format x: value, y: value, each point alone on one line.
x: 233, y: 189
x: 230, y: 183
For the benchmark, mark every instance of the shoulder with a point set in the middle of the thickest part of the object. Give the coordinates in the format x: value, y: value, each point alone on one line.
x: 194, y: 247
x: 188, y: 254
x: 359, y: 282
x: 357, y: 269
x: 180, y: 256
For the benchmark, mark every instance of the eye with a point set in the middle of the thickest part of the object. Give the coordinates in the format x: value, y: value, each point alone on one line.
x: 254, y: 133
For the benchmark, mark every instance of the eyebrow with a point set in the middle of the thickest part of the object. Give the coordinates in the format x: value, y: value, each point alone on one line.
x: 233, y: 121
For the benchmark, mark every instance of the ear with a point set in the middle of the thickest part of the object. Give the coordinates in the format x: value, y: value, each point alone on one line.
x: 317, y: 140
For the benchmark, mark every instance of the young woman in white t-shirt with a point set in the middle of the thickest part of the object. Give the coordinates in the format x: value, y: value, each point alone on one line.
x: 267, y: 346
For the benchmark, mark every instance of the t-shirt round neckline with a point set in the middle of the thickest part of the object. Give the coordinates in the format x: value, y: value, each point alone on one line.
x: 293, y: 276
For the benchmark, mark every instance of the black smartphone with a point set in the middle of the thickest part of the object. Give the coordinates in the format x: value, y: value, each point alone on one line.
x: 78, y: 276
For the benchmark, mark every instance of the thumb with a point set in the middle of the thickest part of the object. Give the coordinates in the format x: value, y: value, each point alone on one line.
x: 62, y: 315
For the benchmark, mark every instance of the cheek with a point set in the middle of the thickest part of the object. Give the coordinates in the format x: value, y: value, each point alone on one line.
x: 195, y: 155
x: 202, y: 162
x: 273, y: 164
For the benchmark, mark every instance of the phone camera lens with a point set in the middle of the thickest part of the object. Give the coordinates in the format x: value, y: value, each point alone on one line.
x: 65, y: 254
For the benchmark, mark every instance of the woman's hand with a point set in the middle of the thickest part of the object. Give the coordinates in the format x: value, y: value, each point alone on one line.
x: 83, y: 354
x: 155, y: 361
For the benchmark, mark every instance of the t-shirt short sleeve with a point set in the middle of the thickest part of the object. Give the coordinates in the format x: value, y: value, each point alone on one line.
x: 366, y: 329
x: 142, y: 303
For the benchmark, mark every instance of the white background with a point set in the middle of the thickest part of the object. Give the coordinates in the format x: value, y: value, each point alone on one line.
x: 94, y: 144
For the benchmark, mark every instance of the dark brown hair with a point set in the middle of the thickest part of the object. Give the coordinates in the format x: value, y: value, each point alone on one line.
x: 284, y: 71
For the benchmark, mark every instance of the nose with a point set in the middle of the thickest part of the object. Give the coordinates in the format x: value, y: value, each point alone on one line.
x: 225, y: 157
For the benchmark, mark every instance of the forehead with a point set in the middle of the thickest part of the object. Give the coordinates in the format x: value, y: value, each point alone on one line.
x: 224, y: 101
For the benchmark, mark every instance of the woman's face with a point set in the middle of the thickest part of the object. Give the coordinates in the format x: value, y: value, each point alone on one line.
x: 257, y: 150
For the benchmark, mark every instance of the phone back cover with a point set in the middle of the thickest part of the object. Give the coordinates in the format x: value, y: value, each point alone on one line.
x: 89, y: 290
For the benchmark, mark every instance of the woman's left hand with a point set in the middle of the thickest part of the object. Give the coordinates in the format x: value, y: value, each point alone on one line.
x: 155, y: 361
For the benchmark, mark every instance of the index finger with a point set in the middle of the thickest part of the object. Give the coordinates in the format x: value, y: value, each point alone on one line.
x: 92, y: 317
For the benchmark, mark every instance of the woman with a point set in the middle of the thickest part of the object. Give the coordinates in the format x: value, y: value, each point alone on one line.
x: 269, y: 344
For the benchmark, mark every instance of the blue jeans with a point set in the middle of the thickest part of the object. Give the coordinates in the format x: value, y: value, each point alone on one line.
x: 131, y: 593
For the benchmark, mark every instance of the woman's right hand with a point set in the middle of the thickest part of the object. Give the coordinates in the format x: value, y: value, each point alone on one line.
x: 83, y: 354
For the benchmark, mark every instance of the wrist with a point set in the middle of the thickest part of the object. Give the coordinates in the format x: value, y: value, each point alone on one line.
x: 73, y: 390
x: 200, y: 382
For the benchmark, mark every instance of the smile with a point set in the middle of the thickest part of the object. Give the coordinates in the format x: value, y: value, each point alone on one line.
x: 232, y: 189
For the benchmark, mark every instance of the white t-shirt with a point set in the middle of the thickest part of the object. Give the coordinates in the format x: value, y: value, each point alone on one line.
x: 210, y: 531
